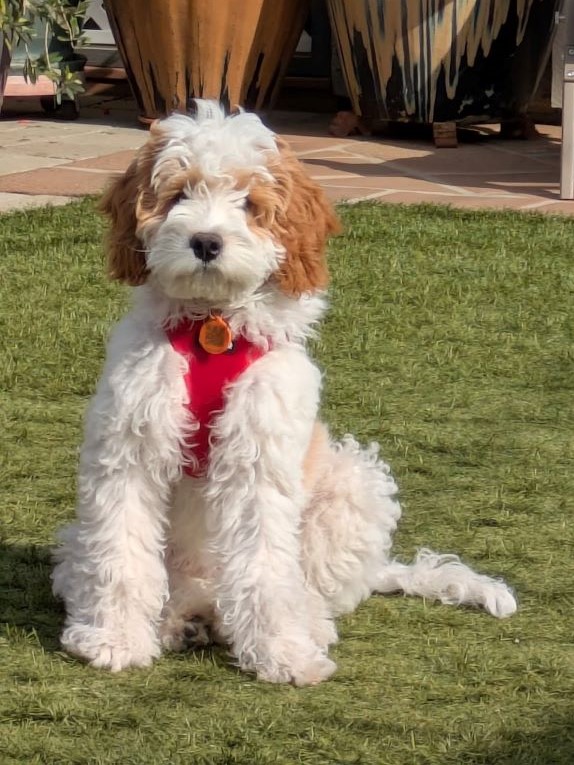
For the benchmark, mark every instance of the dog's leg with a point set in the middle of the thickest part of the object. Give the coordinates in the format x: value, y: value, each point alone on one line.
x: 254, y: 497
x: 348, y: 522
x: 110, y: 571
x: 347, y: 536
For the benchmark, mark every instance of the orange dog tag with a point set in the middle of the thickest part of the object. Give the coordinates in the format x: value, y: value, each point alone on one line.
x: 215, y: 335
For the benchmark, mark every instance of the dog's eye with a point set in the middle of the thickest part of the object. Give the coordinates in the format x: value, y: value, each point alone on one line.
x: 180, y: 197
x: 248, y: 205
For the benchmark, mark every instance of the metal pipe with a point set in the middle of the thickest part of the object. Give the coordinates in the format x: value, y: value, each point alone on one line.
x: 567, y: 153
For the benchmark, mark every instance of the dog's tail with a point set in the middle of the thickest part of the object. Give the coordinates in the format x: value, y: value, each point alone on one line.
x: 448, y: 579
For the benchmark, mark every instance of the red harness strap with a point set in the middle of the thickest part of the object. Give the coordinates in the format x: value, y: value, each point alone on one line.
x: 206, y: 379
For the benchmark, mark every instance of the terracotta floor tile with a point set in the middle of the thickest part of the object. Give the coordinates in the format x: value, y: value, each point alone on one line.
x: 366, y: 195
x: 544, y: 184
x: 538, y: 148
x: 386, y: 149
x: 342, y: 194
x: 58, y: 182
x: 322, y: 147
x: 325, y: 174
x: 558, y: 207
x: 539, y: 145
x: 325, y: 147
x: 478, y: 158
x: 342, y: 164
x: 118, y: 161
x: 385, y: 182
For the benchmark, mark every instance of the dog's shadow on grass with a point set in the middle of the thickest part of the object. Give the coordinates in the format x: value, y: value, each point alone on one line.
x: 27, y: 605
x: 31, y: 613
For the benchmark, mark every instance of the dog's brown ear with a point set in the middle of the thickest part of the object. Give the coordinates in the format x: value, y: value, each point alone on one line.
x: 126, y: 258
x: 303, y: 222
x: 128, y: 201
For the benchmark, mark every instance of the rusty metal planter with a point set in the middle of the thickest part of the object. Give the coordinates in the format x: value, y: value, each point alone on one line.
x: 232, y: 50
x: 442, y: 60
x: 5, y: 58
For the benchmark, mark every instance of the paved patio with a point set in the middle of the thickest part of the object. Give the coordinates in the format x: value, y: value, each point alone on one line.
x: 45, y: 160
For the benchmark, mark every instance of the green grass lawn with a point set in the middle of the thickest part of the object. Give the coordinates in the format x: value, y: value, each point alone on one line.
x: 450, y: 341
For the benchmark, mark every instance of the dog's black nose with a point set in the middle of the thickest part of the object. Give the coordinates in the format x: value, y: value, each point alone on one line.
x: 206, y: 247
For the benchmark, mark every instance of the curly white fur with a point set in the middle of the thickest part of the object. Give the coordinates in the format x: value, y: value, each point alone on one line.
x: 287, y: 529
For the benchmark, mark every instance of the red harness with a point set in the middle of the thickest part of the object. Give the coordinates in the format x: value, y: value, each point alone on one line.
x: 206, y: 379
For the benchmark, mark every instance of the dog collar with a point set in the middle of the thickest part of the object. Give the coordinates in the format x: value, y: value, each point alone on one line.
x: 207, y: 377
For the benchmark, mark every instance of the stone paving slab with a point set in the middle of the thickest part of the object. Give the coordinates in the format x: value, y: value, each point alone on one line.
x: 15, y: 162
x: 92, y: 144
x: 9, y: 202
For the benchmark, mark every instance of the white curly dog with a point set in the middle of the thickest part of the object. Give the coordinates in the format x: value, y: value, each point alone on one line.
x: 209, y: 495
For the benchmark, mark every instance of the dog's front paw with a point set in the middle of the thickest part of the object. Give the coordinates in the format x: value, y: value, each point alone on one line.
x: 300, y: 673
x: 299, y: 663
x: 313, y: 672
x: 108, y: 650
x: 116, y: 658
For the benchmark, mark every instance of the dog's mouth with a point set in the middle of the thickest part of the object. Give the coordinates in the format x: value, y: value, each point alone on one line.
x: 205, y: 283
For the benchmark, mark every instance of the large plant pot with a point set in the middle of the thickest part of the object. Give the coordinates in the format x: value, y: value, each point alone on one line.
x: 233, y: 50
x: 442, y: 60
x: 4, y: 67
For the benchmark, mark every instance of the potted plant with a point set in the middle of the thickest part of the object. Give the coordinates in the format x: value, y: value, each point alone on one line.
x: 232, y: 50
x: 53, y: 28
x: 449, y: 63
